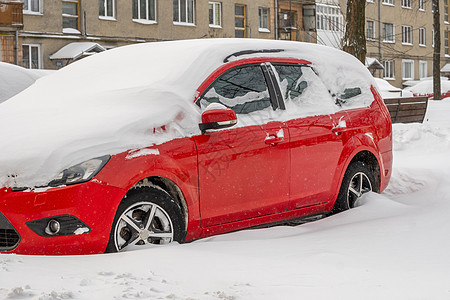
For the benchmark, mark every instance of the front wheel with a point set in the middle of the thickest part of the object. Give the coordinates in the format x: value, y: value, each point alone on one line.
x: 358, y: 180
x: 146, y: 216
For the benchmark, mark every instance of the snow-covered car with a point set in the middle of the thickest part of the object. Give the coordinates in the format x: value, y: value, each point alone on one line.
x: 176, y: 141
x: 388, y: 91
x: 425, y: 88
x: 14, y: 79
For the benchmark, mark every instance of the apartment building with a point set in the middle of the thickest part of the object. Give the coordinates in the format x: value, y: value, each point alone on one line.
x: 57, y: 32
x: 400, y: 33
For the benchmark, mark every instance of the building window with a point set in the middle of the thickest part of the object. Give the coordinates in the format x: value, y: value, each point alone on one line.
x: 407, y: 35
x: 215, y: 14
x: 388, y: 33
x: 328, y: 17
x: 370, y: 1
x: 446, y: 36
x: 389, y: 69
x: 264, y: 19
x: 406, y: 3
x: 183, y: 11
x: 446, y: 11
x: 32, y: 6
x: 388, y: 2
x: 31, y: 56
x: 70, y: 10
x: 407, y: 69
x: 106, y: 8
x: 144, y: 10
x: 422, y: 37
x: 421, y: 5
x: 240, y: 22
x: 423, y: 66
x: 370, y: 30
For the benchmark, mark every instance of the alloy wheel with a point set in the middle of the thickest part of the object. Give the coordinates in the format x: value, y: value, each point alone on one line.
x: 143, y: 223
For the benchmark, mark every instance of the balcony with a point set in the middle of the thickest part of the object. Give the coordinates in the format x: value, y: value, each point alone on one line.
x: 11, y: 15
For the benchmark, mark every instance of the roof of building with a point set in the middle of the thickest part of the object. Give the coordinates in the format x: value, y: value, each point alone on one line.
x: 77, y: 50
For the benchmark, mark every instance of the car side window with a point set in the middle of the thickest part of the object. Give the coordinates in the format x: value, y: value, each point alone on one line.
x: 243, y: 89
x: 303, y: 91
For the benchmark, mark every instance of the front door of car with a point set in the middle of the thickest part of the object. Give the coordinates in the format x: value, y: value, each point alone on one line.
x: 316, y: 128
x: 243, y: 170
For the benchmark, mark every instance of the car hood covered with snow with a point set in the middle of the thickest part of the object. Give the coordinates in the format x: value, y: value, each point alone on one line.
x: 112, y: 102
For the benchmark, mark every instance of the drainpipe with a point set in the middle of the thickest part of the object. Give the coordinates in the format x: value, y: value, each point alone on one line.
x: 380, y: 54
x: 276, y: 19
x: 16, y: 48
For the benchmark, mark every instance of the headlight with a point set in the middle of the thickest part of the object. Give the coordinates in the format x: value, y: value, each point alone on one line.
x: 80, y: 173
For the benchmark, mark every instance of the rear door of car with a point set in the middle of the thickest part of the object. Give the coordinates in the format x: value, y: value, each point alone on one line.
x: 243, y: 170
x: 316, y: 129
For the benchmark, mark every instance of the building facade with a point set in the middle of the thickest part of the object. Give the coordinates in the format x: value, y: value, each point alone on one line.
x: 50, y: 25
x: 400, y: 33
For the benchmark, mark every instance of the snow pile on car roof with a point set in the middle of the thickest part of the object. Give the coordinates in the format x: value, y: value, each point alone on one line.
x: 116, y: 100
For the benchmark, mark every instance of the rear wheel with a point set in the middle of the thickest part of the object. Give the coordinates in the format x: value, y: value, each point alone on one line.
x: 146, y: 216
x: 358, y: 180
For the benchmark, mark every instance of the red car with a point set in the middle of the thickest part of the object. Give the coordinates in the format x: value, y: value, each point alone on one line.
x: 284, y: 134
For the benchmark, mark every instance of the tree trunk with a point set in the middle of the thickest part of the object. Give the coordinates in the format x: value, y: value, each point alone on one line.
x: 437, y: 52
x: 355, y: 36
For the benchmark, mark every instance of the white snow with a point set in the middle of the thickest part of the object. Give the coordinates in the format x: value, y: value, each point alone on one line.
x: 113, y: 101
x: 14, y: 79
x: 391, y: 246
x: 425, y: 87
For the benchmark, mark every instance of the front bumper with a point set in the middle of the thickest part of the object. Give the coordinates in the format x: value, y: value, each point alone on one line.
x: 93, y: 203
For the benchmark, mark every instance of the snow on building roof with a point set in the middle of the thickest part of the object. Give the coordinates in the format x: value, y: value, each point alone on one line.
x: 76, y: 50
x: 373, y: 63
x: 446, y: 68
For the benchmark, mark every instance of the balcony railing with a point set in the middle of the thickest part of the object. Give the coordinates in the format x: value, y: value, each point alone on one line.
x: 11, y: 14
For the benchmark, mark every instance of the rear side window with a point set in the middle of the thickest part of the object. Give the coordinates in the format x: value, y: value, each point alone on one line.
x: 303, y: 91
x: 243, y: 89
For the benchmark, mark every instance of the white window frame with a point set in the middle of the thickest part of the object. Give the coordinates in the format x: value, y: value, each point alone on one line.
x: 370, y: 38
x: 407, y: 35
x: 29, y: 10
x: 329, y: 17
x: 406, y: 62
x: 422, y: 37
x: 147, y: 19
x: 39, y: 66
x: 105, y: 8
x: 370, y: 1
x: 423, y: 69
x: 389, y: 70
x: 406, y: 3
x: 217, y: 11
x: 421, y: 5
x: 178, y: 20
x: 432, y: 38
x: 385, y: 35
x: 388, y: 2
x: 261, y: 19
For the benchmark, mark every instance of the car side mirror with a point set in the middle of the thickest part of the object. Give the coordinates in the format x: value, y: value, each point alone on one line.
x: 217, y: 118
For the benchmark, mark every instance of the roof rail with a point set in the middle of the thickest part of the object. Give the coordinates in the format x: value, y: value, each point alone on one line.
x: 245, y: 52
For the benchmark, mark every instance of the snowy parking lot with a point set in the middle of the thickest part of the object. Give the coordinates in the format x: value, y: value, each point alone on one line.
x: 391, y: 246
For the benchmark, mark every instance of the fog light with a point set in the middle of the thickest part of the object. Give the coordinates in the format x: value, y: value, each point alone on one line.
x: 53, y: 227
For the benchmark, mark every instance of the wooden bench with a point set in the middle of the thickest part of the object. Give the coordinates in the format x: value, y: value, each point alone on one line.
x: 407, y: 110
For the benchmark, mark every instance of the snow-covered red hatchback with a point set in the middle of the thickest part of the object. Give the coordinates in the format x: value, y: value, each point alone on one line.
x: 176, y: 141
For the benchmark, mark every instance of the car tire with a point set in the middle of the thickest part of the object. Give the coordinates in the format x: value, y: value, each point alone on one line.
x: 146, y: 215
x: 358, y: 180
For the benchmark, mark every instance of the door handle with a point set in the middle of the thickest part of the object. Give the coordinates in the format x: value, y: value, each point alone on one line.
x: 273, y: 140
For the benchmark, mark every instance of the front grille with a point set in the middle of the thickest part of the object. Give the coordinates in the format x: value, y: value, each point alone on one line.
x: 9, y: 237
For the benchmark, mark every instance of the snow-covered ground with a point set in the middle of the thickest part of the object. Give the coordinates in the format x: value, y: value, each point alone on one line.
x: 392, y: 246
